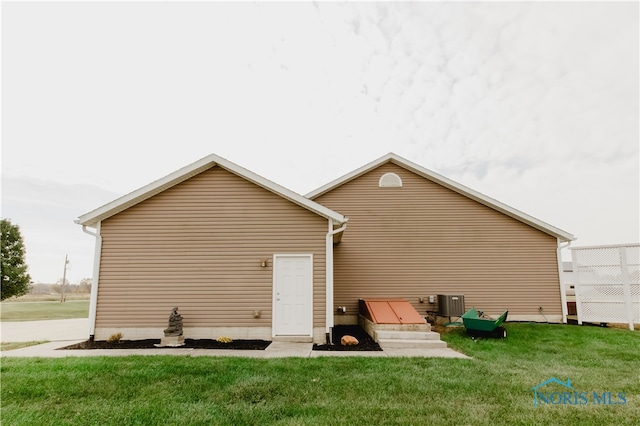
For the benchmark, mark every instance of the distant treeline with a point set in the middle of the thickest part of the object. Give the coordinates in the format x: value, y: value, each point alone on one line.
x: 83, y: 287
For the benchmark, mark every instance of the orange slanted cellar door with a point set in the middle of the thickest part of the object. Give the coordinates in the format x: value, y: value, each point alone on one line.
x: 393, y: 311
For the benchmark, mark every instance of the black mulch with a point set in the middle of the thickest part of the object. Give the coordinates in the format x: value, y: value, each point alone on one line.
x: 257, y: 345
x: 365, y: 342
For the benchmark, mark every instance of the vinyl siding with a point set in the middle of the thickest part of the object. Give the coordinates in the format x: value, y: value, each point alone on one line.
x: 423, y: 239
x: 198, y: 246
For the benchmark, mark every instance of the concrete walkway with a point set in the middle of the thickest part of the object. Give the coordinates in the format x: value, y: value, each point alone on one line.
x: 51, y: 330
x: 274, y: 350
x: 61, y: 333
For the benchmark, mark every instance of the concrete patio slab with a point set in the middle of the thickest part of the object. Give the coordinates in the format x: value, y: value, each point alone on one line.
x: 288, y: 349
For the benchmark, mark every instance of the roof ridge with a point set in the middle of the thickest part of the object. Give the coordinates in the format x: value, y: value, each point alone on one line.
x: 212, y: 160
x: 447, y: 183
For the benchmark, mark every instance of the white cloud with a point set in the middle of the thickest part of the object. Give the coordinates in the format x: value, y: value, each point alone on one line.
x: 535, y: 104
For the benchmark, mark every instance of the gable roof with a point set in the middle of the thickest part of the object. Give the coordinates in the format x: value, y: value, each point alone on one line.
x: 92, y: 218
x: 447, y: 183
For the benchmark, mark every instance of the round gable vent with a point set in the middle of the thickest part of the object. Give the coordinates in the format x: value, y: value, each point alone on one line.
x: 390, y: 180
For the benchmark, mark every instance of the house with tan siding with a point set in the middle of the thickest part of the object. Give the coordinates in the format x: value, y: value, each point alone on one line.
x: 413, y: 234
x: 244, y: 257
x: 239, y: 255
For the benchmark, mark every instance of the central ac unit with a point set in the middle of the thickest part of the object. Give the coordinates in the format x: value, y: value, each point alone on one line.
x: 450, y: 305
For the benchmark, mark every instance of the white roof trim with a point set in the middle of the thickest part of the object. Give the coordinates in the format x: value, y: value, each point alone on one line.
x: 92, y: 218
x: 604, y: 246
x: 447, y: 183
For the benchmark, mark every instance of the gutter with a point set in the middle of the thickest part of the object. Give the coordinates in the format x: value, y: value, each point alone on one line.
x: 329, y: 277
x: 93, y: 304
x: 563, y: 291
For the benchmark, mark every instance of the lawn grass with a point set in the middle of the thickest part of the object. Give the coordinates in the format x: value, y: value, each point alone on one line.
x: 35, y: 311
x: 494, y: 388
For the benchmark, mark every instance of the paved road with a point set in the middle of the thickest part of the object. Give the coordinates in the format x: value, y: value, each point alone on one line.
x: 52, y: 330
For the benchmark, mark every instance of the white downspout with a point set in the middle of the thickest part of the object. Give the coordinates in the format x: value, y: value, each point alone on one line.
x: 563, y: 290
x: 329, y: 277
x: 93, y: 304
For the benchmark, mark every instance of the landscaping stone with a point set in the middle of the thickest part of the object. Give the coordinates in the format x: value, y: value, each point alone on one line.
x: 348, y: 341
x: 365, y: 342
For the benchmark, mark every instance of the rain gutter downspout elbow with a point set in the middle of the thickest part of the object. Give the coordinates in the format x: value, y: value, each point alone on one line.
x: 93, y: 304
x: 329, y: 277
x: 86, y: 231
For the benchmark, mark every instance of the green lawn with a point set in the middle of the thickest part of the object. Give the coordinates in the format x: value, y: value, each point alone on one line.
x: 34, y: 311
x: 494, y: 388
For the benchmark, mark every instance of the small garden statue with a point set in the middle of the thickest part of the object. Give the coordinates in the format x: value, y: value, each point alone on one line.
x: 173, y: 334
x: 175, y: 324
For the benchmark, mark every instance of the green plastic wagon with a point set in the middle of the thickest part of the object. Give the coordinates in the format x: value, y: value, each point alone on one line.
x: 476, y: 325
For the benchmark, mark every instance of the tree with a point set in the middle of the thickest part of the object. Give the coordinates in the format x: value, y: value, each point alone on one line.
x: 15, y: 279
x: 85, y: 285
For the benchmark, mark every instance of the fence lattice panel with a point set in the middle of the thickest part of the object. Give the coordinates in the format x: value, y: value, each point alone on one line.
x: 607, y: 283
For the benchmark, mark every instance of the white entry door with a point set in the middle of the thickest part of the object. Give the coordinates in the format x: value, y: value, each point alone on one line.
x: 293, y: 295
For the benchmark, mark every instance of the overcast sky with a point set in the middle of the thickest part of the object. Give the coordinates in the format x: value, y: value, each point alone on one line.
x: 534, y: 104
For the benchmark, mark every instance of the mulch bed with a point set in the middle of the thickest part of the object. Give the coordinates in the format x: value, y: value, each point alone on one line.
x: 256, y: 345
x: 365, y: 342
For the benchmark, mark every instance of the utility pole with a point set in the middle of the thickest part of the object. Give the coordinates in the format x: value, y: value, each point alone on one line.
x: 64, y: 277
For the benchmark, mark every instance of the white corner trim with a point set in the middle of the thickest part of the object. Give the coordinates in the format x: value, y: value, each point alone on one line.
x: 93, y: 301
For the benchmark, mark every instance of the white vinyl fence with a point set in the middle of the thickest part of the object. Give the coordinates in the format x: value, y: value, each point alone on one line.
x: 607, y: 283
